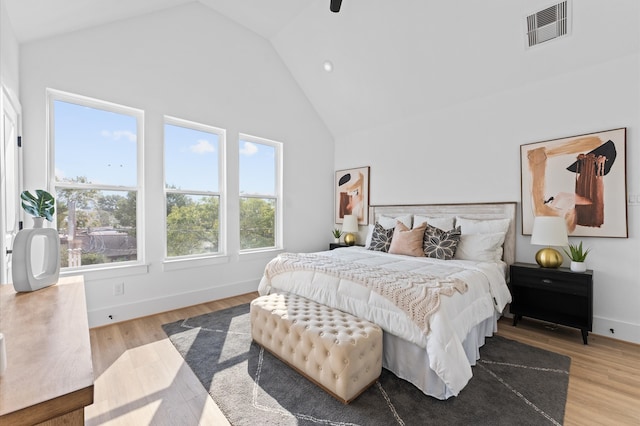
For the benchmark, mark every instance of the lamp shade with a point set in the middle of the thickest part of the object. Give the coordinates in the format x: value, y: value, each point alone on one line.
x: 549, y: 231
x: 350, y: 223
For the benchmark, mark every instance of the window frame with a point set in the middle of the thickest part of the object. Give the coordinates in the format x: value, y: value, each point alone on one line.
x: 279, y: 219
x: 85, y: 101
x: 221, y: 193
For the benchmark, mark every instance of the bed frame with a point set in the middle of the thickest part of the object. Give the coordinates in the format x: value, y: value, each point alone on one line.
x: 500, y: 210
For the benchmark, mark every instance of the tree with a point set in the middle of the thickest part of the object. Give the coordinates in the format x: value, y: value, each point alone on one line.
x: 175, y: 199
x: 126, y: 210
x: 193, y: 228
x: 257, y: 223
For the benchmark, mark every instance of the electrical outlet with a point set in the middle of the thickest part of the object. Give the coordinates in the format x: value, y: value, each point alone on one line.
x: 118, y: 289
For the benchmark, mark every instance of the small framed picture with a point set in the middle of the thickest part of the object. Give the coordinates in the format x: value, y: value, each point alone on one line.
x: 352, y: 194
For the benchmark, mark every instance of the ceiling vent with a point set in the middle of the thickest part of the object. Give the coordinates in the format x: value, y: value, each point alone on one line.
x: 548, y: 24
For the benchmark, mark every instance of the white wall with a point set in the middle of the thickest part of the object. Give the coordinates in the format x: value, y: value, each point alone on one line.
x: 188, y: 62
x: 471, y: 152
x: 9, y: 52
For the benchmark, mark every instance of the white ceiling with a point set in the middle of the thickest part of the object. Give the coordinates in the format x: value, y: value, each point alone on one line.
x: 389, y: 62
x: 35, y: 19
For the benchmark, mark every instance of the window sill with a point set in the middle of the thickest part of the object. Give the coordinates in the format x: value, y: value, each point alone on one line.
x: 260, y: 253
x: 107, y: 272
x: 193, y: 262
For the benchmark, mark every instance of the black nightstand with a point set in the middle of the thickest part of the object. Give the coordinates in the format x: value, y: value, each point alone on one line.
x: 336, y: 245
x: 557, y: 295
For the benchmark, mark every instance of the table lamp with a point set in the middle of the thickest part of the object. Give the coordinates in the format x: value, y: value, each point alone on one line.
x: 549, y: 231
x: 350, y: 228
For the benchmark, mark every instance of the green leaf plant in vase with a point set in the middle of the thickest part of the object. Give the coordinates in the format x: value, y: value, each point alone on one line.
x: 577, y: 255
x: 25, y: 276
x: 41, y: 206
x: 337, y: 233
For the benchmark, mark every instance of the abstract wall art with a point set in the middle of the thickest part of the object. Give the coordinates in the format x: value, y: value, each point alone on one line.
x: 580, y: 178
x: 352, y: 194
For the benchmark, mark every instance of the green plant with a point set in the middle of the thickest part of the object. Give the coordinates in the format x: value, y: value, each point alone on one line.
x: 576, y: 252
x: 337, y: 233
x: 40, y: 205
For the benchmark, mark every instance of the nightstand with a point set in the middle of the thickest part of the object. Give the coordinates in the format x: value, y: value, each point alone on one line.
x: 557, y: 295
x: 336, y: 245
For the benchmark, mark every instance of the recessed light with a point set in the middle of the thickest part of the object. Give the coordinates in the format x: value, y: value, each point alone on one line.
x: 328, y: 66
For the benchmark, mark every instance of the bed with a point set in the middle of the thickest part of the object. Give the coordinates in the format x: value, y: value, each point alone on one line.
x: 435, y: 312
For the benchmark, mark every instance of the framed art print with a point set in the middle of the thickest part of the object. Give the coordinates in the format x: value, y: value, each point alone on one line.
x: 580, y: 178
x: 352, y: 194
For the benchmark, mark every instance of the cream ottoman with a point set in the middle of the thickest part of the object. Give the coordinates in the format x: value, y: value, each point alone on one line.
x: 339, y: 352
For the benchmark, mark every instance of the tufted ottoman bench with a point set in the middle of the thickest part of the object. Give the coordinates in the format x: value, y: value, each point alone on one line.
x: 339, y: 352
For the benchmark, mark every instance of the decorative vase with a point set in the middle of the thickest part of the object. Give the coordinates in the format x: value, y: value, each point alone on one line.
x: 578, y: 266
x: 336, y: 240
x: 35, y: 261
x: 38, y: 222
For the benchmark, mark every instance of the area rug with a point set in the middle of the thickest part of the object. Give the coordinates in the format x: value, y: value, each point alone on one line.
x: 512, y: 383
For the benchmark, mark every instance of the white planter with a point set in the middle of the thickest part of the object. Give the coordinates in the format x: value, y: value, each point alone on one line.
x: 578, y: 266
x: 336, y: 240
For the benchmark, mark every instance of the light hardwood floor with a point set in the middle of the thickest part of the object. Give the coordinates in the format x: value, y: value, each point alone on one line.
x: 140, y: 379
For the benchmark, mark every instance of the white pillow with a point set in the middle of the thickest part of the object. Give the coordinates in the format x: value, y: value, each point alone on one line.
x: 444, y: 223
x: 387, y: 222
x: 367, y: 241
x: 482, y: 226
x: 480, y: 247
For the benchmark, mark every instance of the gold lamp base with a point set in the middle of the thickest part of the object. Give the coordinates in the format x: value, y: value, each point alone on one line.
x: 349, y: 239
x: 549, y: 258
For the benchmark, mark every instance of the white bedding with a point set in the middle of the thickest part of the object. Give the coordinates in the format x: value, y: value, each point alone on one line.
x: 449, y: 326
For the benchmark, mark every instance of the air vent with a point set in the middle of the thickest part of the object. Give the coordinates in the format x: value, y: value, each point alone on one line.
x: 548, y: 24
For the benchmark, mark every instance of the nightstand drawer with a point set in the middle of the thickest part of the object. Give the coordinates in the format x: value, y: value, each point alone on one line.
x: 555, y: 283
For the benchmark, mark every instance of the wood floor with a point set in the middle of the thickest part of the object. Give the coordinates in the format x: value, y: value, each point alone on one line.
x: 142, y: 380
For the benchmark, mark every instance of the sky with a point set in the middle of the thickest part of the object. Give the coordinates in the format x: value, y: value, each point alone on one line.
x: 101, y: 145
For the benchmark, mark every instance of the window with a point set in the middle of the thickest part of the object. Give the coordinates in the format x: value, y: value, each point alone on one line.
x: 260, y: 189
x: 96, y: 147
x: 193, y: 179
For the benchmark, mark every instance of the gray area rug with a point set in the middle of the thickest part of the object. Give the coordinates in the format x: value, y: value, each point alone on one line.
x: 512, y: 383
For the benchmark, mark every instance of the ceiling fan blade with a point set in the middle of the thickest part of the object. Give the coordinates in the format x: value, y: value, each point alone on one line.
x: 335, y: 5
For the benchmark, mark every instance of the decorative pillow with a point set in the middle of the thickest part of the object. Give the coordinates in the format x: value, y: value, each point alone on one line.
x: 482, y: 226
x: 388, y: 222
x: 440, y: 244
x: 407, y: 241
x: 380, y: 238
x: 480, y: 247
x: 445, y: 223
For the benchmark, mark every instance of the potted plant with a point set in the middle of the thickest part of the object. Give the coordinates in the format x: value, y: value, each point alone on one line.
x: 337, y: 233
x: 577, y: 255
x: 41, y: 206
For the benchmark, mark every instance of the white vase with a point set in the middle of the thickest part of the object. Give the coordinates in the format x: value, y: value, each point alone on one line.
x: 37, y: 222
x: 578, y: 266
x: 336, y: 240
x: 35, y: 261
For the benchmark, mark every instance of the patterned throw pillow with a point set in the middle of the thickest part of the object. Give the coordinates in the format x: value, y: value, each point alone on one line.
x: 440, y: 244
x: 381, y: 238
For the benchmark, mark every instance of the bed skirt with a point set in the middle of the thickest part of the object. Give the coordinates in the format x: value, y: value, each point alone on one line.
x: 401, y: 356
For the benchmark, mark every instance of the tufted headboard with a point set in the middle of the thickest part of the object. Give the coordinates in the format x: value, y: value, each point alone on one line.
x: 501, y: 210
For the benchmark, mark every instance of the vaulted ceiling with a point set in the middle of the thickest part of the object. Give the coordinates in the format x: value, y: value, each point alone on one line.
x: 390, y: 60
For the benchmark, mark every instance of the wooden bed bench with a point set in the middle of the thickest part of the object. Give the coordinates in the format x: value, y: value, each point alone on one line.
x: 337, y: 351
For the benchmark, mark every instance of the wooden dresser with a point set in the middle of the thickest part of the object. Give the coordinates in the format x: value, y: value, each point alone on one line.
x: 49, y: 375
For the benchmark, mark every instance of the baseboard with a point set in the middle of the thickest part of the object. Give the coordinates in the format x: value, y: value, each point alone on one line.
x: 129, y: 311
x: 615, y: 329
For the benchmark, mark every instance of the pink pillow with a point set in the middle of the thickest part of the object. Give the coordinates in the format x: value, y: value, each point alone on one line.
x: 408, y: 241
